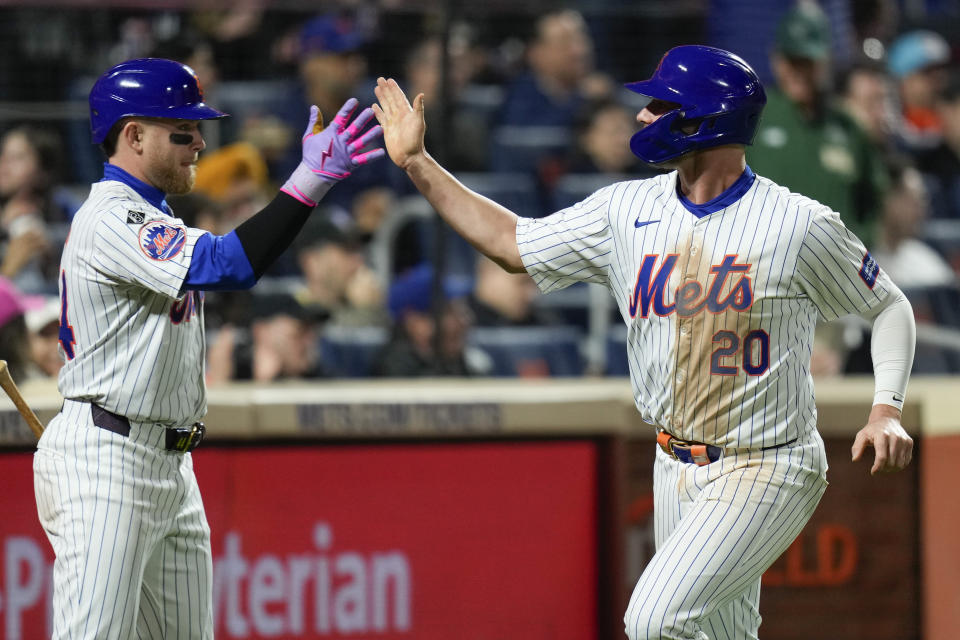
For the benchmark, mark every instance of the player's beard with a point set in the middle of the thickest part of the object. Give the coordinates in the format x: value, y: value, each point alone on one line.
x: 173, y: 179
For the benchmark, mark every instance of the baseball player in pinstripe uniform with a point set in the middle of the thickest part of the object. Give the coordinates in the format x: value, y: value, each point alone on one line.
x: 719, y: 275
x: 114, y: 480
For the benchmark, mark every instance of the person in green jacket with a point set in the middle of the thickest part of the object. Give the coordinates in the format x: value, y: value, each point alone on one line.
x: 807, y: 143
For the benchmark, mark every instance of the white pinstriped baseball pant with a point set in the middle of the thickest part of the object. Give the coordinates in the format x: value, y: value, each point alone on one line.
x: 718, y: 528
x: 127, y: 525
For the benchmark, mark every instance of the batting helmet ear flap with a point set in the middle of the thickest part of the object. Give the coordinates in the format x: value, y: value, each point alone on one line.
x: 690, y: 126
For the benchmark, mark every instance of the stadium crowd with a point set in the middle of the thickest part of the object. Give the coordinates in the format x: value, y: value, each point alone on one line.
x: 863, y: 115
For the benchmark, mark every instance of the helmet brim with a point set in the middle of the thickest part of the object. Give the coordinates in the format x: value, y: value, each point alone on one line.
x: 654, y: 89
x: 199, y: 111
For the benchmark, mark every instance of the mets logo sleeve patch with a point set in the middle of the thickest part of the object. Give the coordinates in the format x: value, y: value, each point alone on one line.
x: 155, y: 254
x: 160, y: 241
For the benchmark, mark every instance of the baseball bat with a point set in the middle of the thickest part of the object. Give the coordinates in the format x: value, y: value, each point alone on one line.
x: 6, y: 381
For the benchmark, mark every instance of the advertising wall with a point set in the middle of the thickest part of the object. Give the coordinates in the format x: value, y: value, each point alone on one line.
x: 427, y: 541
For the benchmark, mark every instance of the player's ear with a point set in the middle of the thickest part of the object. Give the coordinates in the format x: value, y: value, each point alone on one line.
x: 132, y: 135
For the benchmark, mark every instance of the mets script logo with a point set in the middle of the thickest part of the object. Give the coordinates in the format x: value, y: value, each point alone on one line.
x: 690, y: 297
x: 162, y: 241
x: 186, y: 307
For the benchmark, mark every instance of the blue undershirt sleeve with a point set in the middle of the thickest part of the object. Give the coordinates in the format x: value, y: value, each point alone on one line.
x: 219, y: 263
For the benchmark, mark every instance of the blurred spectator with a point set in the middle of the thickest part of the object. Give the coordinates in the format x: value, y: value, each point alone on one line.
x: 234, y: 176
x: 942, y: 163
x: 503, y: 299
x: 196, y: 52
x: 270, y: 135
x: 336, y: 281
x: 411, y: 350
x: 865, y: 92
x: 534, y: 125
x: 807, y: 144
x: 282, y: 343
x: 561, y: 74
x: 874, y: 21
x: 30, y: 174
x: 136, y: 40
x: 749, y: 28
x: 908, y: 261
x: 601, y: 130
x: 332, y: 64
x: 199, y: 211
x: 14, y: 343
x: 42, y: 50
x: 370, y: 208
x: 42, y: 317
x: 332, y: 69
x: 918, y: 61
x: 29, y: 161
x: 234, y: 33
x: 469, y: 130
x: 491, y: 59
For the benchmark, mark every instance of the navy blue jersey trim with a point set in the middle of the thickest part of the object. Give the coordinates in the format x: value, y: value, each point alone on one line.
x: 722, y: 201
x: 151, y: 194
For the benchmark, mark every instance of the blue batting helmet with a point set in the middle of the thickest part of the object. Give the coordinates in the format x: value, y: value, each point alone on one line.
x: 720, y: 100
x: 150, y: 87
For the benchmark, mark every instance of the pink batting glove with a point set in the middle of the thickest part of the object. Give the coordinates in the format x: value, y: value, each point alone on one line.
x: 331, y: 154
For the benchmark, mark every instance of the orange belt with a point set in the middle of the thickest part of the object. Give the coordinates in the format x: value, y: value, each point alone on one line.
x: 689, y: 452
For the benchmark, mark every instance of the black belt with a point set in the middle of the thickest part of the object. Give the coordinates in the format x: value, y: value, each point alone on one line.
x: 180, y: 439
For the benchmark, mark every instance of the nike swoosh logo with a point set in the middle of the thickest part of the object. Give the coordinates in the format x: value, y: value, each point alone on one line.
x: 639, y: 224
x: 897, y: 398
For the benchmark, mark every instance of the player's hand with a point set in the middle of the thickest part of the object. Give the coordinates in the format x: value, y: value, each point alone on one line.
x: 403, y: 125
x: 21, y: 250
x: 334, y: 152
x: 893, y: 448
x: 331, y: 154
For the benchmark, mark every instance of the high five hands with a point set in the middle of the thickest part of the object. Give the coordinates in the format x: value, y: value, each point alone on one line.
x: 403, y: 125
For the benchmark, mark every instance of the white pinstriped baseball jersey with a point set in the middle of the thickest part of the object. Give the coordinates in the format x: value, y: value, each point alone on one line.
x: 124, y: 514
x: 720, y: 301
x: 133, y: 342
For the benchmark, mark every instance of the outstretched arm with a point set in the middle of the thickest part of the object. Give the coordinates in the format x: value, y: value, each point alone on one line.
x: 489, y: 227
x: 238, y: 259
x: 892, y: 347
